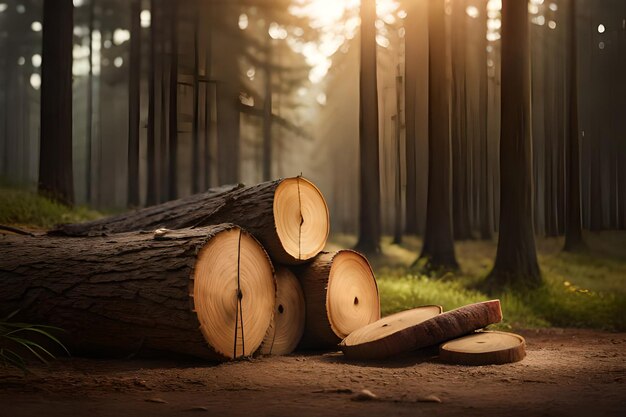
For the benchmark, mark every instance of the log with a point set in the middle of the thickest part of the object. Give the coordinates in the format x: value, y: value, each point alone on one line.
x: 288, y: 216
x: 408, y: 335
x: 287, y: 326
x: 207, y: 292
x: 484, y: 348
x: 340, y: 294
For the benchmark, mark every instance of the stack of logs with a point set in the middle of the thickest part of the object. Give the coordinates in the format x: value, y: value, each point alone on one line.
x: 228, y: 273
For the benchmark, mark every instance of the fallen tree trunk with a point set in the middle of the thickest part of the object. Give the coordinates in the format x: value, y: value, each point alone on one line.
x: 288, y: 216
x: 376, y: 342
x: 207, y: 292
x: 341, y: 296
x: 484, y: 348
x: 287, y: 326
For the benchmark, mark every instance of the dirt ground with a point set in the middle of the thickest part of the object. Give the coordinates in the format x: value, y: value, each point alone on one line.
x: 566, y: 373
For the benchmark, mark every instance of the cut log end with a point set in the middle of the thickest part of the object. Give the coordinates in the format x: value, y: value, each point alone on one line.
x: 352, y: 297
x: 287, y: 326
x: 484, y: 348
x: 234, y: 293
x: 301, y: 218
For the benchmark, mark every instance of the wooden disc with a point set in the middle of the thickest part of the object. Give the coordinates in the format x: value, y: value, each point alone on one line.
x: 386, y: 333
x: 287, y: 326
x: 434, y: 330
x: 352, y: 296
x: 301, y: 218
x: 484, y: 348
x: 234, y: 293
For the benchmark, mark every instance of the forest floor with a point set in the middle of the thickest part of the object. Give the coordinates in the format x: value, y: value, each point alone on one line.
x: 566, y: 373
x: 570, y: 369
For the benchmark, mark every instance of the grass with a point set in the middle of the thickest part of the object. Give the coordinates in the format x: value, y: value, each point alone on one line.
x: 24, y: 208
x: 580, y: 290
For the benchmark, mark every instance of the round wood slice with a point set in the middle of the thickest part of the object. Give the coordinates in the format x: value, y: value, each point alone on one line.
x: 301, y: 218
x: 233, y: 296
x: 387, y: 332
x: 341, y: 296
x: 419, y: 334
x: 287, y: 326
x: 484, y: 348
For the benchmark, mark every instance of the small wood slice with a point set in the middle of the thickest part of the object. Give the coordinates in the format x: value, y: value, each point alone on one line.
x: 287, y: 326
x: 419, y: 334
x: 484, y: 348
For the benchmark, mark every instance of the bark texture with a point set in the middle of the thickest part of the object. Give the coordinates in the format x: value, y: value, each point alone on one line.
x: 438, y: 247
x: 369, y: 197
x: 573, y: 227
x: 516, y: 258
x: 249, y: 207
x: 55, y: 155
x: 112, y: 295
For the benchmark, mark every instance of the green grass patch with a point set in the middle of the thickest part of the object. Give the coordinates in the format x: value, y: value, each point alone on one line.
x: 580, y: 290
x: 21, y: 207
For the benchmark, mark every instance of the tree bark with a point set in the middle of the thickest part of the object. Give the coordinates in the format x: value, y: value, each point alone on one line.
x: 438, y: 248
x: 459, y: 137
x: 573, y: 228
x: 259, y: 209
x: 486, y: 228
x: 55, y: 156
x: 369, y: 197
x: 143, y: 292
x: 134, y: 94
x: 173, y: 106
x: 516, y: 258
x: 195, y: 150
x: 152, y: 190
x: 410, y: 96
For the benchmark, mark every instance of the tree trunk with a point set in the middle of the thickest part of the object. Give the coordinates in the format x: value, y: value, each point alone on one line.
x: 267, y: 112
x: 410, y: 108
x: 414, y: 329
x: 134, y: 104
x: 369, y: 197
x: 460, y: 206
x: 573, y: 228
x: 206, y: 292
x: 397, y: 228
x: 173, y: 106
x: 288, y: 216
x: 341, y: 296
x: 516, y: 258
x: 195, y: 150
x: 485, y: 202
x: 438, y: 248
x: 89, y: 128
x: 151, y: 192
x: 55, y: 156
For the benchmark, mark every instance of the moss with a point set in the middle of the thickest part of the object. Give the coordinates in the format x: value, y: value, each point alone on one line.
x: 21, y: 207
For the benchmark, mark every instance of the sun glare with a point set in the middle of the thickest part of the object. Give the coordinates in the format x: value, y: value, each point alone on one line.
x: 336, y: 21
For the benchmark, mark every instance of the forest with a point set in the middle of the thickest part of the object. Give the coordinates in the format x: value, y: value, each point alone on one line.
x: 438, y: 155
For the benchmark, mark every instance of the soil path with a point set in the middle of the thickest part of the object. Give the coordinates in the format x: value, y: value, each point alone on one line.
x: 566, y: 373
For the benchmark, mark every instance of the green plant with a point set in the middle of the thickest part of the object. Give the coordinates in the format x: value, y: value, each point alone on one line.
x: 15, y: 336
